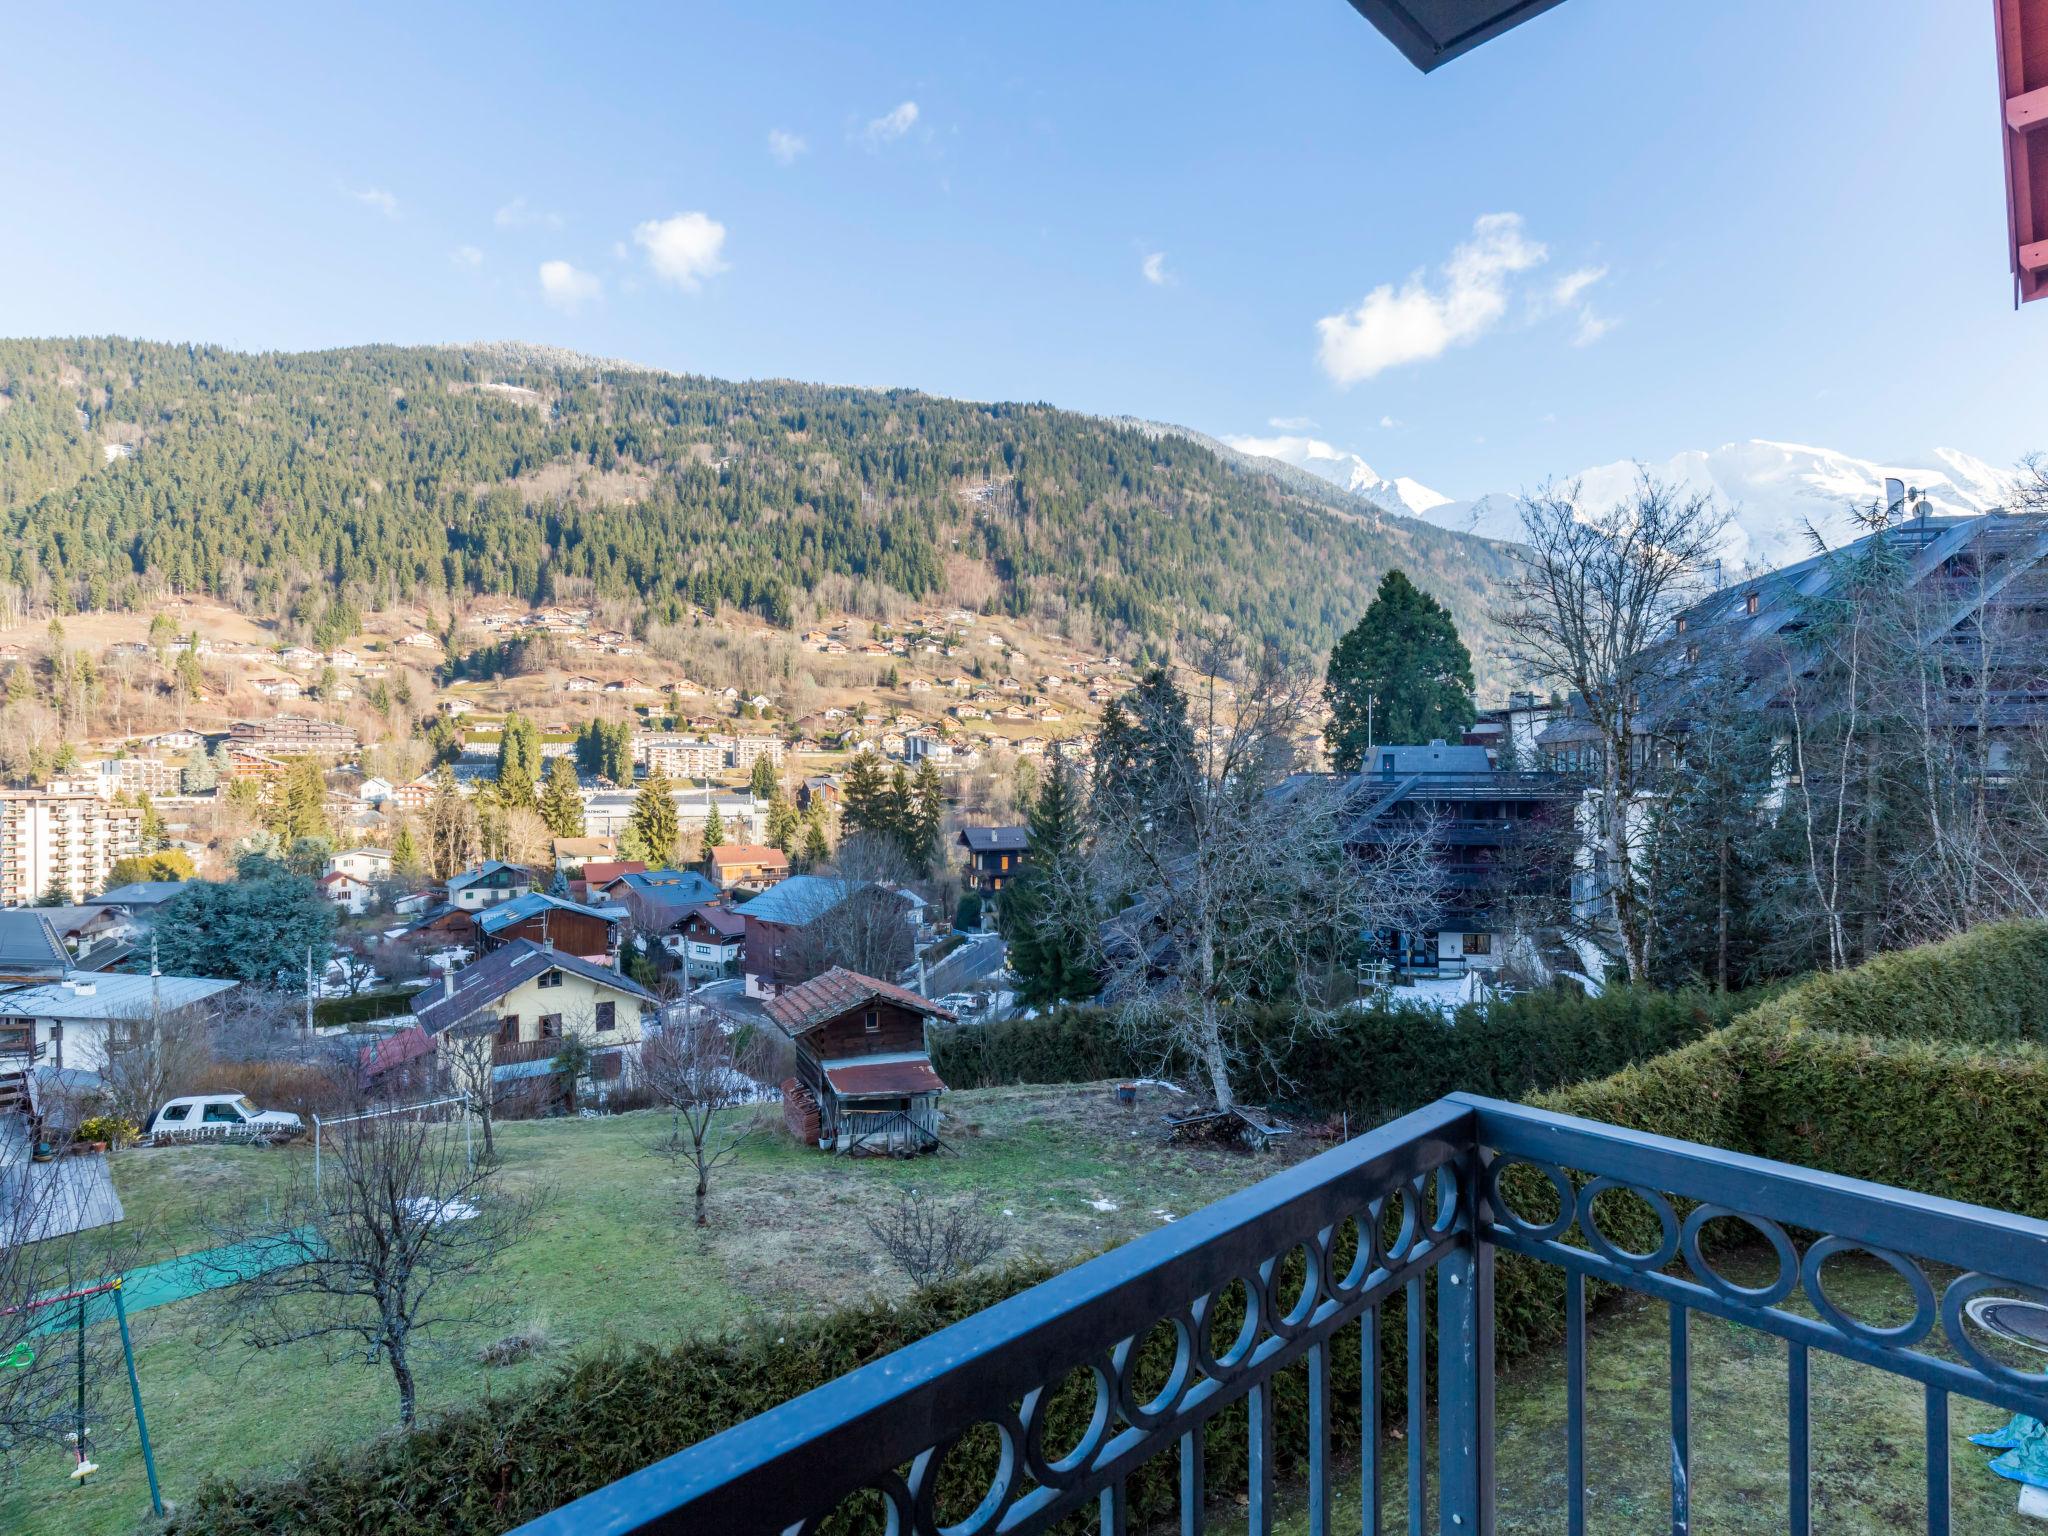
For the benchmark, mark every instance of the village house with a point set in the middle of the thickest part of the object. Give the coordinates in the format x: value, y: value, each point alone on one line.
x: 365, y: 863
x: 279, y: 688
x: 488, y: 884
x: 864, y: 1080
x: 709, y: 938
x: 553, y: 922
x: 580, y: 684
x: 583, y: 852
x: 994, y: 855
x: 527, y: 999
x: 347, y: 892
x: 791, y: 928
x: 748, y: 866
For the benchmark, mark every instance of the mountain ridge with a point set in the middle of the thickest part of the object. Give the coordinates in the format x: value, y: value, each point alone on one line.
x: 281, y: 482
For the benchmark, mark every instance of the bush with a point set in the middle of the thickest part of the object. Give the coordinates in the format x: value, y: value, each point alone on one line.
x: 1381, y: 1062
x: 112, y: 1129
x: 385, y: 1003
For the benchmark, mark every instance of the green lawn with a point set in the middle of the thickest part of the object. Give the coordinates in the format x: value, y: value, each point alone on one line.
x: 611, y: 1255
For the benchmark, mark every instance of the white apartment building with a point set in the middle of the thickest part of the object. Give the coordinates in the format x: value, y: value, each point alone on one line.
x: 64, y: 837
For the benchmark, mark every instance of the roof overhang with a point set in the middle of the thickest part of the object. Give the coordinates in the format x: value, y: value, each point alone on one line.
x: 884, y: 1079
x: 2023, y: 112
x: 1433, y: 32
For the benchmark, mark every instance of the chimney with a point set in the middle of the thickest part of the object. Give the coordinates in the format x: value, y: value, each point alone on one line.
x: 448, y: 981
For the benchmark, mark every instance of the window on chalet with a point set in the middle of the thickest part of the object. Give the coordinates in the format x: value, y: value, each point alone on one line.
x: 551, y: 979
x: 607, y: 1016
x: 872, y: 1022
x: 1692, y: 654
x: 1749, y: 604
x: 1478, y: 943
x: 1681, y: 623
x: 551, y: 1026
x: 508, y: 1030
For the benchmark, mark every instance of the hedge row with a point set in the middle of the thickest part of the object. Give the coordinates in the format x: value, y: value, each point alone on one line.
x: 1988, y: 986
x: 1379, y: 1062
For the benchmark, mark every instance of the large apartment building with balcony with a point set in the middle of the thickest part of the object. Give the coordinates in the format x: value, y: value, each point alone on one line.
x: 63, y: 838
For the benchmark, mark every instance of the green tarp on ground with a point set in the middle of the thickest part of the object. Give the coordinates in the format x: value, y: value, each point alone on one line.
x: 169, y: 1280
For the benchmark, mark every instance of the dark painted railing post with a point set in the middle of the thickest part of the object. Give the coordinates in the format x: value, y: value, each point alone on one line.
x: 1464, y: 1359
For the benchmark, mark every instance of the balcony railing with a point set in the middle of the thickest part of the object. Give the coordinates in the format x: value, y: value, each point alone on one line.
x: 1423, y: 1198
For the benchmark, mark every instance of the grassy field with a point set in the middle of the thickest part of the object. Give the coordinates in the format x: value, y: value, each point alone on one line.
x: 612, y: 1255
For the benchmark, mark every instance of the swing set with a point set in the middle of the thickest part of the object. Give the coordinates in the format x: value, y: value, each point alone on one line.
x: 23, y: 1356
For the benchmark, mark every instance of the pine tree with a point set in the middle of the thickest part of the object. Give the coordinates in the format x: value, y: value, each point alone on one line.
x: 518, y: 762
x: 151, y: 833
x: 298, y: 803
x: 452, y: 837
x: 817, y: 849
x: 1143, y: 744
x: 652, y: 832
x: 561, y: 806
x: 864, y: 795
x: 927, y: 814
x: 405, y: 852
x: 1046, y: 911
x: 785, y: 824
x: 714, y: 835
x: 199, y: 773
x: 1400, y: 675
x: 764, y: 781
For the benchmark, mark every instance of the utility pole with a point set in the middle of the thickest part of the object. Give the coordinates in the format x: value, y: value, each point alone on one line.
x: 309, y: 989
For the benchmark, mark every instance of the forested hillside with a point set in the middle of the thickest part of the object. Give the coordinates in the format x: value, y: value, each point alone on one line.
x: 129, y: 470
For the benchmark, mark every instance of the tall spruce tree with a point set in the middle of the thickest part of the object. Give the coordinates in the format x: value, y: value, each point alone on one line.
x: 763, y: 780
x: 1400, y: 675
x: 652, y: 833
x: 518, y: 762
x: 864, y: 795
x: 561, y: 806
x: 714, y: 835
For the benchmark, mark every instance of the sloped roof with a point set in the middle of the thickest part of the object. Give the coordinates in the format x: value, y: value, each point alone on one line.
x: 669, y: 887
x: 996, y: 839
x: 862, y: 1079
x: 748, y: 853
x: 484, y: 870
x: 142, y: 893
x: 505, y: 914
x: 722, y: 920
x: 479, y: 985
x: 806, y: 898
x: 823, y: 998
x: 29, y: 946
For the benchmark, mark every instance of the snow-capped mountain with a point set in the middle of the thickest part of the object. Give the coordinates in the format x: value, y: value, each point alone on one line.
x: 1345, y: 469
x: 1774, y: 492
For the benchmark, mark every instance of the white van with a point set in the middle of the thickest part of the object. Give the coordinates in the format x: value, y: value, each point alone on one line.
x: 222, y: 1117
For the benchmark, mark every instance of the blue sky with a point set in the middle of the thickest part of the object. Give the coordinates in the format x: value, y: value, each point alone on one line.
x: 1623, y: 230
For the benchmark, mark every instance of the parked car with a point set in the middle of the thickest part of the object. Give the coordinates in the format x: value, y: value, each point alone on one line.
x: 963, y: 1002
x: 222, y: 1117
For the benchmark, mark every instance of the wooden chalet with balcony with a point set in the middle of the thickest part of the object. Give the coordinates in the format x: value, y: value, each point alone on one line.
x: 864, y: 1080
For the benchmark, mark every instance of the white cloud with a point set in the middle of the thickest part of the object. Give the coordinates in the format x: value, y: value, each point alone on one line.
x: 520, y: 214
x: 466, y: 256
x: 567, y: 287
x: 1591, y: 327
x: 1421, y: 320
x: 1388, y: 423
x: 1570, y: 288
x: 784, y: 146
x: 684, y: 248
x: 384, y: 202
x: 891, y: 125
x: 1154, y: 268
x: 1291, y: 423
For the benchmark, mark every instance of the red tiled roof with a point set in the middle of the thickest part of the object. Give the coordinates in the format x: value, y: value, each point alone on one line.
x: 823, y: 998
x: 865, y: 1078
x: 604, y: 871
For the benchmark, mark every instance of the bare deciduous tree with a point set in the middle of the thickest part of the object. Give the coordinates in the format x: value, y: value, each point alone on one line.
x: 855, y: 919
x: 467, y: 1052
x: 372, y: 1259
x: 933, y: 1241
x: 1595, y: 591
x: 1238, y: 883
x: 699, y: 1073
x: 153, y: 1059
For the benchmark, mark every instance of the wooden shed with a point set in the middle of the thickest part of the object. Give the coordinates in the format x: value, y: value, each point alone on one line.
x: 864, y: 1081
